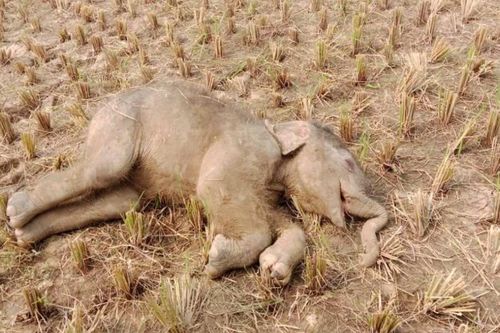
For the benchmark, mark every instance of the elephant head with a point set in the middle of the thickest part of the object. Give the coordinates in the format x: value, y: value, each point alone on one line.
x: 324, y: 177
x: 314, y: 162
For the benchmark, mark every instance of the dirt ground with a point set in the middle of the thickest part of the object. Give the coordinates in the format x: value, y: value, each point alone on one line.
x: 59, y: 58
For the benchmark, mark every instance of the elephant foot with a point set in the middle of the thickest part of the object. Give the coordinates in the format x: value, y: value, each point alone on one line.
x: 218, y: 257
x: 20, y: 209
x: 275, y: 262
x: 226, y: 253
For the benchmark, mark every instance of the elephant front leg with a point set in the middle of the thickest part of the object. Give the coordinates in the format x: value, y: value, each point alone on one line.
x: 226, y: 253
x: 280, y: 259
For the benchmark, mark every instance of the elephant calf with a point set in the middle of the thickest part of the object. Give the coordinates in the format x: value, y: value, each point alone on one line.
x: 174, y: 140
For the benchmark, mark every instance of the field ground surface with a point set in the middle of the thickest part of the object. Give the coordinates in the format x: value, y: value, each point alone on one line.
x: 412, y: 86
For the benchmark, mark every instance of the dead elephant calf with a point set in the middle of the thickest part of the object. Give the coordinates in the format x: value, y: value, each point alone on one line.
x: 172, y: 139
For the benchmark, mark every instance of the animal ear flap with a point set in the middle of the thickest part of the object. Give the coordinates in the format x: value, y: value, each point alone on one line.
x: 290, y: 135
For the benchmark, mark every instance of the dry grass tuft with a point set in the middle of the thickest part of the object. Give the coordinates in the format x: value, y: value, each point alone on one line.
x: 7, y: 133
x: 423, y: 10
x: 281, y: 78
x: 364, y: 144
x: 466, y: 74
x: 133, y: 44
x: 357, y: 30
x: 277, y: 100
x: 415, y: 74
x: 386, y: 155
x: 252, y: 35
x: 178, y: 51
x: 315, y: 266
x: 82, y: 90
x: 468, y: 9
x: 437, y: 5
x: 121, y: 29
x: 277, y: 52
x: 35, y: 25
x: 383, y: 322
x: 64, y: 35
x: 210, y: 82
x: 495, y: 156
x: 493, y: 127
x: 80, y: 35
x: 307, y: 108
x: 479, y: 40
x: 383, y: 4
x: 137, y: 227
x: 321, y: 59
x: 285, y: 11
x: 29, y: 144
x: 443, y: 176
x: 78, y: 114
x: 3, y: 207
x: 447, y: 102
x: 35, y: 303
x: 184, y: 67
x: 293, y: 35
x: 43, y: 121
x: 5, y: 56
x: 406, y: 112
x: 447, y: 296
x: 315, y: 5
x: 76, y: 323
x: 395, y: 29
x: 180, y: 303
x: 30, y: 99
x: 154, y: 25
x: 80, y: 255
x: 218, y: 51
x: 459, y: 145
x: 492, y: 246
x: 147, y: 73
x: 431, y: 27
x: 420, y: 216
x: 194, y: 212
x: 361, y: 75
x: 97, y: 44
x: 240, y: 85
x: 143, y: 56
x: 101, y: 21
x: 122, y: 281
x: 392, y: 252
x: 346, y: 126
x: 440, y: 50
x: 323, y: 20
x: 40, y: 53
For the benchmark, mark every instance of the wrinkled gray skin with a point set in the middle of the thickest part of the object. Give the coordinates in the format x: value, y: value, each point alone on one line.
x: 174, y: 140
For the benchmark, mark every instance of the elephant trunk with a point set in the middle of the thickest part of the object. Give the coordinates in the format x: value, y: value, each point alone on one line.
x: 369, y: 235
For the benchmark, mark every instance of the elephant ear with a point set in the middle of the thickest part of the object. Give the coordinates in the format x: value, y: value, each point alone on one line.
x: 290, y: 135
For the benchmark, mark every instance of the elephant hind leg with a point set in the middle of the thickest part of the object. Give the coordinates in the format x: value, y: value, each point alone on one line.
x: 359, y: 204
x: 110, y: 153
x: 105, y: 205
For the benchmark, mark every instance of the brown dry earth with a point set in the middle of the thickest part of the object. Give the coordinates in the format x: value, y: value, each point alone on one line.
x: 463, y: 219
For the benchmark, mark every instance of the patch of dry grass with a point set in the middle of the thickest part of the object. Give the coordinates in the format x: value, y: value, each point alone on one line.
x: 181, y: 301
x: 447, y: 295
